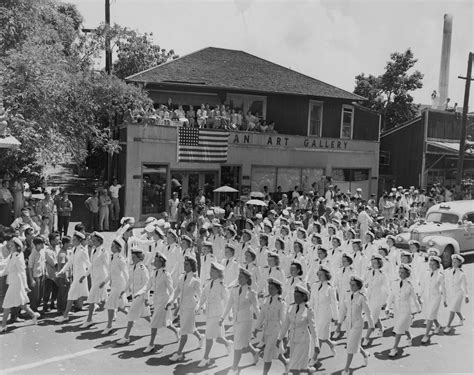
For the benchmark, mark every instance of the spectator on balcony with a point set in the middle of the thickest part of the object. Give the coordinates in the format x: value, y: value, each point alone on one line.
x: 210, y: 117
x: 271, y: 128
x: 233, y: 120
x: 181, y: 116
x: 250, y: 122
x: 191, y: 116
x: 225, y: 117
x: 202, y: 116
x: 166, y: 116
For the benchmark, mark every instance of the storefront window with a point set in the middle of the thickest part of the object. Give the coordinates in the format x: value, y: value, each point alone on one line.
x: 309, y: 176
x: 288, y: 178
x: 209, y: 185
x: 230, y: 176
x: 351, y: 179
x: 177, y: 179
x: 264, y: 176
x: 153, y: 188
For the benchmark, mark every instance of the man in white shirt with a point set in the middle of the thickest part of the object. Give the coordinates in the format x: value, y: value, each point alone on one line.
x: 114, y: 196
x: 173, y: 207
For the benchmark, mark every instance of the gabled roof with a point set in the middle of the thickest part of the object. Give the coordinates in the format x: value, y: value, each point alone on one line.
x: 230, y: 69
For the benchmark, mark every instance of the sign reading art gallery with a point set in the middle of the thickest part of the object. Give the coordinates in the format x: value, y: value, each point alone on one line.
x: 285, y: 141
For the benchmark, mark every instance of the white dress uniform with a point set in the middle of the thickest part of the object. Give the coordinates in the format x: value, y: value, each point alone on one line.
x: 118, y: 277
x: 289, y: 288
x: 188, y: 291
x: 150, y: 252
x: 240, y: 250
x: 378, y: 289
x: 324, y: 304
x: 302, y: 335
x: 214, y: 297
x: 258, y: 283
x: 15, y: 271
x: 243, y: 302
x: 271, y: 317
x: 99, y: 272
x: 171, y: 252
x: 351, y: 311
x: 218, y: 242
x: 405, y: 303
x: 342, y: 280
x: 370, y: 249
x: 360, y: 264
x: 312, y: 275
x: 206, y: 261
x: 456, y: 283
x: 231, y: 271
x: 335, y: 256
x: 162, y: 285
x: 138, y: 284
x: 262, y: 252
x: 274, y: 272
x: 79, y: 261
x: 433, y: 290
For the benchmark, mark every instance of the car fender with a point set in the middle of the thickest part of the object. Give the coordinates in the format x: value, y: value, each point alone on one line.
x: 440, y: 242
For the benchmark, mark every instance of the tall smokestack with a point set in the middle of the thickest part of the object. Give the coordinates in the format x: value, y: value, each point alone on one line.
x: 445, y: 57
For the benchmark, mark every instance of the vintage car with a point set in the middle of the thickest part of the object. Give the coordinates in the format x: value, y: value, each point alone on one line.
x: 448, y: 226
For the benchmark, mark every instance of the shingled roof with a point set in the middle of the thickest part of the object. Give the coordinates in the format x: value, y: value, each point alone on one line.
x: 230, y: 69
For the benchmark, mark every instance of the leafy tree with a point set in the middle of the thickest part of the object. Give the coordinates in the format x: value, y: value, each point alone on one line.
x: 389, y: 93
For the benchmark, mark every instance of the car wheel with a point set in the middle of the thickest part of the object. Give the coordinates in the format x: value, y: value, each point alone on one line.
x: 446, y: 256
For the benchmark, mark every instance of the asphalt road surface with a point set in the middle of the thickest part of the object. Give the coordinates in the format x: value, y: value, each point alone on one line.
x: 52, y: 348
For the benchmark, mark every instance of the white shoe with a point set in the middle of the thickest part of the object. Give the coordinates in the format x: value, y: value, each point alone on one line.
x: 233, y: 372
x: 393, y: 352
x: 409, y: 341
x: 425, y: 339
x: 228, y: 347
x: 62, y: 319
x: 204, y: 362
x: 437, y: 329
x: 35, y: 318
x: 447, y: 330
x: 345, y: 372
x: 311, y: 362
x: 378, y: 333
x: 311, y: 370
x: 149, y: 349
x: 86, y: 324
x: 176, y: 357
x: 107, y: 330
x: 366, y: 359
x: 365, y: 341
x: 123, y: 341
x: 461, y: 322
x: 3, y: 329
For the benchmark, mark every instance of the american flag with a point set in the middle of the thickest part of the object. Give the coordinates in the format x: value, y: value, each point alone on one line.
x: 202, y: 145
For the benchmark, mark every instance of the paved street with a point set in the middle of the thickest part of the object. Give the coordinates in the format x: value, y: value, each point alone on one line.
x: 51, y: 348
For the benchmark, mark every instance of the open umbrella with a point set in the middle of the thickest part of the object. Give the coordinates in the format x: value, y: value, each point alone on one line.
x: 256, y: 202
x: 257, y: 194
x: 225, y: 189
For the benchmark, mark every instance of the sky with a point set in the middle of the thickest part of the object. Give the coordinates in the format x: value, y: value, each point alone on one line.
x: 331, y: 40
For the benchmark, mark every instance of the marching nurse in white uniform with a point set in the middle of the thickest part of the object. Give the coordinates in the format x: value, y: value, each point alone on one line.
x: 162, y: 285
x: 243, y: 302
x: 271, y: 318
x: 118, y: 277
x: 403, y: 297
x: 138, y: 285
x: 79, y: 262
x: 302, y: 336
x: 99, y: 272
x: 351, y: 311
x: 434, y: 291
x: 214, y: 297
x: 456, y: 283
x: 188, y: 291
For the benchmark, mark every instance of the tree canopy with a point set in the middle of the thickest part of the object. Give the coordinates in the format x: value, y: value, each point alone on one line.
x: 390, y: 93
x: 59, y: 106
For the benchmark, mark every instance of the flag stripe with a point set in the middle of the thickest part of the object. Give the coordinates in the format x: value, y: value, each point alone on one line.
x: 205, y: 146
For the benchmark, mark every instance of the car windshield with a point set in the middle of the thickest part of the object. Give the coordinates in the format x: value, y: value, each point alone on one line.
x: 442, y: 217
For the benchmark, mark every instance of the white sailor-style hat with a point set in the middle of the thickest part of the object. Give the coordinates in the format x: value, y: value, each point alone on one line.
x: 457, y: 257
x: 245, y: 271
x: 247, y: 231
x: 218, y: 266
x: 98, y: 235
x: 406, y: 267
x: 301, y: 289
x: 161, y: 255
x: 435, y: 258
x: 207, y: 243
x: 119, y: 242
x: 187, y: 238
x: 433, y: 250
x: 406, y: 253
x: 81, y: 235
x: 272, y: 280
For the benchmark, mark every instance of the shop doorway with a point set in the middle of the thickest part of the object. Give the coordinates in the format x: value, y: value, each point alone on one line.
x: 188, y: 183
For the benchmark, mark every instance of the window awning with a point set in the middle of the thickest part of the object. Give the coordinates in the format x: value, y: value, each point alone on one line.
x: 449, y: 148
x: 9, y: 142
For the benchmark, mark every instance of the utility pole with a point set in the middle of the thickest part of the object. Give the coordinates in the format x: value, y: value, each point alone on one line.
x: 108, y: 52
x: 462, y: 142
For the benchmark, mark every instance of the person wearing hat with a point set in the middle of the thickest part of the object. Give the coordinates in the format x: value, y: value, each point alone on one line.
x: 360, y: 260
x: 213, y: 299
x: 324, y: 304
x: 171, y: 251
x: 272, y: 269
x: 218, y: 240
x: 298, y: 254
x: 295, y: 278
x: 80, y: 264
x: 418, y: 261
x: 393, y: 253
x: 243, y: 303
x: 300, y: 318
x: 207, y: 257
x: 185, y: 249
x: 246, y: 243
x: 405, y: 305
x: 138, y: 286
x: 118, y: 278
x: 270, y: 320
x: 161, y: 284
x: 378, y: 288
x: 231, y: 267
x: 349, y: 236
x: 250, y: 264
x: 188, y: 291
x: 311, y: 251
x: 17, y: 292
x: 433, y: 291
x: 343, y: 277
x: 335, y: 254
x: 351, y: 309
x: 262, y: 250
x: 155, y: 244
x: 99, y: 272
x: 456, y: 285
x: 369, y: 247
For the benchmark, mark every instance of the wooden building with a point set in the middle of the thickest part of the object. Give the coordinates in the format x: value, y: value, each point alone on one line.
x: 322, y: 130
x: 424, y: 151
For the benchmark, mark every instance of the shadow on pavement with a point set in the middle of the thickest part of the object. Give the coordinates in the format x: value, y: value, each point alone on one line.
x: 90, y: 335
x: 383, y: 355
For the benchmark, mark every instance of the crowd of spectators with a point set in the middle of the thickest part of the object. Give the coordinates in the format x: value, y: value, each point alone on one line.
x: 205, y: 117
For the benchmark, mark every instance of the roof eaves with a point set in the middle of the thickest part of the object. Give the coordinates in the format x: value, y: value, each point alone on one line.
x: 402, y: 126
